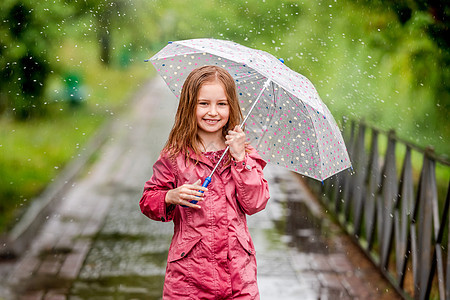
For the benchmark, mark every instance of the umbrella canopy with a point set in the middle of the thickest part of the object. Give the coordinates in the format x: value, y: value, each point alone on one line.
x: 286, y: 121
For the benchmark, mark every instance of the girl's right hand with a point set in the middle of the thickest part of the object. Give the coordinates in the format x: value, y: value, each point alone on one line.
x: 183, y: 195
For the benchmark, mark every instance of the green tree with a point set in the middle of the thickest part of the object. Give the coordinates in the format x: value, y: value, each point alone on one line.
x: 24, y: 66
x: 428, y: 24
x: 30, y: 33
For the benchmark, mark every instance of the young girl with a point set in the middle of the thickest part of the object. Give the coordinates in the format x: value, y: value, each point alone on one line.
x: 212, y: 254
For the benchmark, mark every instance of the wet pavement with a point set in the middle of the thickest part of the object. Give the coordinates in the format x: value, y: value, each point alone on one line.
x: 98, y: 245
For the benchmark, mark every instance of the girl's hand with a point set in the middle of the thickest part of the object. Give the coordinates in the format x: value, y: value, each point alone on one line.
x: 236, y: 140
x: 182, y: 195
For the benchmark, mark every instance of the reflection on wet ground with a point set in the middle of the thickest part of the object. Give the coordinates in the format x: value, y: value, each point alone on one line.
x: 99, y: 231
x: 306, y: 230
x: 128, y: 257
x: 300, y: 251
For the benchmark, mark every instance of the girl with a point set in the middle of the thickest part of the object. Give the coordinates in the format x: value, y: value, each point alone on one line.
x: 211, y: 255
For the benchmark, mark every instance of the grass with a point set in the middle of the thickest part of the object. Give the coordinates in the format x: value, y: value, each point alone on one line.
x: 32, y: 153
x: 377, y: 69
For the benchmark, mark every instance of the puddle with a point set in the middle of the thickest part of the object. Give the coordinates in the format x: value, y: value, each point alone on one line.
x: 307, y: 232
x: 43, y: 282
x: 59, y: 251
x: 123, y: 264
x: 118, y: 287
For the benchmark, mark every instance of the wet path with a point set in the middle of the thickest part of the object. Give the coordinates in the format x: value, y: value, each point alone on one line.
x: 97, y: 244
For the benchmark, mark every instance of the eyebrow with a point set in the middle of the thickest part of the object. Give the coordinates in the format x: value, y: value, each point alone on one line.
x: 206, y: 99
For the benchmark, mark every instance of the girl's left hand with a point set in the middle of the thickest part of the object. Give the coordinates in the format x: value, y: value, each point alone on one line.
x: 236, y: 140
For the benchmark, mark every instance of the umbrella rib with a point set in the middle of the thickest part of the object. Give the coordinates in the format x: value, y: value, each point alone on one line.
x: 285, y: 96
x: 270, y: 118
x: 266, y: 85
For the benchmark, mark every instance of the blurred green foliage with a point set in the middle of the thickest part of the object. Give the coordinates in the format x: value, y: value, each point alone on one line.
x: 366, y: 58
x: 383, y: 61
x: 31, y: 35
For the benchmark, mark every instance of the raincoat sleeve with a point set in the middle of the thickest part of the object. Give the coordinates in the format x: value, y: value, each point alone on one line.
x: 251, y: 187
x: 153, y: 203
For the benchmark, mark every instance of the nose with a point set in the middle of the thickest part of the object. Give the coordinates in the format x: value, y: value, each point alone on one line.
x: 212, y: 110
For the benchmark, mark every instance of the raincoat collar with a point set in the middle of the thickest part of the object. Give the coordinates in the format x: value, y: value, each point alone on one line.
x: 202, y: 159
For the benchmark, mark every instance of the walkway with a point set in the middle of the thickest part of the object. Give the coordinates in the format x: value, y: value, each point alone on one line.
x: 97, y: 244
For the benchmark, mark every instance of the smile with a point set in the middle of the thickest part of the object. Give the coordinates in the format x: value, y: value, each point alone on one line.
x: 211, y: 121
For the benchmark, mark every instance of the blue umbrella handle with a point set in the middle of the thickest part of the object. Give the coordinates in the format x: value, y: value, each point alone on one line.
x: 205, y: 184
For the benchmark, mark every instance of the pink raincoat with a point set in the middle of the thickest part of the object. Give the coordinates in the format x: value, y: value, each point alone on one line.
x: 212, y: 254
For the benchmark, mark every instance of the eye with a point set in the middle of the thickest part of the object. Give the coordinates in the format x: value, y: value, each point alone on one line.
x: 223, y: 103
x: 203, y: 103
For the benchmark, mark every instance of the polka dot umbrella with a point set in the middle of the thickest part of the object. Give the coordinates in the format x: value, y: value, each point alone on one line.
x: 286, y: 121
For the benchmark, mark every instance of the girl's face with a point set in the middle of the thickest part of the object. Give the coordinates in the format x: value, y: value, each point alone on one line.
x: 212, y: 110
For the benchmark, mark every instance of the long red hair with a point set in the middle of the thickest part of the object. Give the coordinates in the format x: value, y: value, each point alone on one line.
x: 183, y: 136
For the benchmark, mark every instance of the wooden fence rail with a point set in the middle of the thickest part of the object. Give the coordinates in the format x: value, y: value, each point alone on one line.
x: 396, y: 215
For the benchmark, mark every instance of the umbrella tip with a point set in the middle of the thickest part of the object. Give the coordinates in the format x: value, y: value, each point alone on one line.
x: 282, y: 60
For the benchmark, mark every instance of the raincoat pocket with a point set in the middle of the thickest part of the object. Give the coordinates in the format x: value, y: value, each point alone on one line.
x: 244, y: 244
x: 179, y: 251
x: 242, y: 266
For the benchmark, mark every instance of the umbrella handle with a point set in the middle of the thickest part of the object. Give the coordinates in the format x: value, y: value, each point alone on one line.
x: 205, y: 184
x: 208, y: 179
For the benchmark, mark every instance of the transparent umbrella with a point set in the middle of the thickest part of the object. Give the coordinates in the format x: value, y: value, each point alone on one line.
x: 285, y: 119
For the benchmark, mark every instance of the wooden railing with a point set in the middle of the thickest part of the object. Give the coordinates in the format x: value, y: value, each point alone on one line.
x: 398, y: 216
